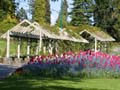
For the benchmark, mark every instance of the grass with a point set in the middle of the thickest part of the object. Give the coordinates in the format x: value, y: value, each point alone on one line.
x: 19, y: 83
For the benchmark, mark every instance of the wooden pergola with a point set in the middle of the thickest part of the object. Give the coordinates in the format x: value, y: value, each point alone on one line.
x: 98, y: 35
x: 28, y: 30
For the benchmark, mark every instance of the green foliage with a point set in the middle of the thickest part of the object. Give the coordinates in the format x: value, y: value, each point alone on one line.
x: 114, y: 48
x: 106, y: 16
x: 116, y: 15
x: 48, y: 12
x: 7, y: 15
x: 13, y: 47
x: 7, y: 24
x: 102, y: 13
x: 41, y: 11
x: 2, y: 14
x: 21, y: 14
x: 7, y: 7
x: 81, y: 12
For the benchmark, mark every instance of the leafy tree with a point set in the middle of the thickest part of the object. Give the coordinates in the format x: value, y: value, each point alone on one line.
x: 2, y: 10
x: 2, y: 14
x: 7, y: 14
x: 7, y: 7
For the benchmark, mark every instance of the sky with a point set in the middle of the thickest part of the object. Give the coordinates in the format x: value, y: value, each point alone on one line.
x: 54, y: 7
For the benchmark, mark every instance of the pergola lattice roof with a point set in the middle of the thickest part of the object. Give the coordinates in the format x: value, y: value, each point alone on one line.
x: 99, y: 35
x: 26, y: 29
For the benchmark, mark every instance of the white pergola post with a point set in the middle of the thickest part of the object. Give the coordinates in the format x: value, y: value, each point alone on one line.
x: 95, y: 45
x: 18, y: 48
x: 105, y: 47
x: 37, y: 49
x: 56, y: 47
x: 44, y: 49
x: 50, y: 48
x: 28, y: 48
x: 40, y: 40
x: 8, y: 45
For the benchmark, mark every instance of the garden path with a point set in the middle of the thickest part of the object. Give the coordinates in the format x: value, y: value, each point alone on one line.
x: 6, y: 70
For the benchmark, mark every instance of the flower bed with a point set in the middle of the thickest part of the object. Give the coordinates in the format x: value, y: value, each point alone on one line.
x: 86, y: 64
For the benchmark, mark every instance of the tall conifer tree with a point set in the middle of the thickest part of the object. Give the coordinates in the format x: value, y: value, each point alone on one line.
x: 41, y: 11
x: 21, y: 14
x: 116, y: 16
x: 81, y: 12
x: 63, y: 14
x: 47, y: 16
x: 106, y: 16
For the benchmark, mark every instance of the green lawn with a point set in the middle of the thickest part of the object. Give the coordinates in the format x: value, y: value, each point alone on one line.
x: 63, y: 84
